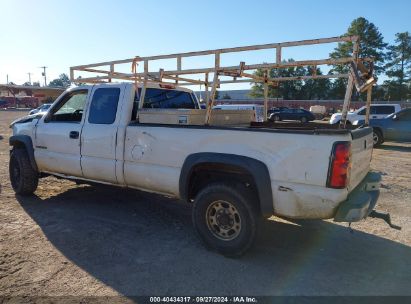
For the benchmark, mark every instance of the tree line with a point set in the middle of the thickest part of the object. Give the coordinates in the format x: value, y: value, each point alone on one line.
x: 393, y: 61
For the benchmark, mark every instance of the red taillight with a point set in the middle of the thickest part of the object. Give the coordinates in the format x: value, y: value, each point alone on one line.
x: 339, y: 171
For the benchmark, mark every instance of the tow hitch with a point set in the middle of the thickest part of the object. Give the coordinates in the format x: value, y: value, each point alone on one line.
x: 384, y: 216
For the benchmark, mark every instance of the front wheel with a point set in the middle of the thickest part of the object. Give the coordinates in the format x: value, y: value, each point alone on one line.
x: 303, y: 119
x: 225, y: 218
x: 24, y: 179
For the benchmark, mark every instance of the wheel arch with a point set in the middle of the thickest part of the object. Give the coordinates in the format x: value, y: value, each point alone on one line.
x: 228, y: 164
x: 378, y: 129
x: 24, y: 142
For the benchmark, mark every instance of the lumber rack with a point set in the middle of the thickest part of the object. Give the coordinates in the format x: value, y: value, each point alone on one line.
x: 360, y: 72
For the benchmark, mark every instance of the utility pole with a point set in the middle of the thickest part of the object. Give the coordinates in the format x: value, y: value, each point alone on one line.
x: 44, y: 74
x: 29, y: 77
x: 7, y: 76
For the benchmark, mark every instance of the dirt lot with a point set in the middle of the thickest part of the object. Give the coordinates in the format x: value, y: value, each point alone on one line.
x: 84, y: 240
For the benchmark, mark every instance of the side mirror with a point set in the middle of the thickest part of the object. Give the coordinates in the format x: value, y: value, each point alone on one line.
x: 395, y: 117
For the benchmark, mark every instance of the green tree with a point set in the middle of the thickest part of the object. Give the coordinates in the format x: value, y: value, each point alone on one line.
x: 257, y: 89
x: 398, y: 67
x: 371, y: 45
x: 292, y: 89
x: 62, y: 81
x: 316, y: 88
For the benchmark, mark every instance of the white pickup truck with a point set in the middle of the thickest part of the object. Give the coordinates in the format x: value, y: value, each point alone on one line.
x: 233, y: 173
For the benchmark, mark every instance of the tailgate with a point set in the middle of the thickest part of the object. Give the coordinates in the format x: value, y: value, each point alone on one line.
x: 361, y: 149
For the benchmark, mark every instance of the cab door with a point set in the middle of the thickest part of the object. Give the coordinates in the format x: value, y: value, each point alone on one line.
x: 99, y: 134
x: 57, y: 135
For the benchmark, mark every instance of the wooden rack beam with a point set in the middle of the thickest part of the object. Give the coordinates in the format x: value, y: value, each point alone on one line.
x: 108, y: 72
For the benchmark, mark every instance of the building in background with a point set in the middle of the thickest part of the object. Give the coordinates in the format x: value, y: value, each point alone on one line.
x: 19, y: 96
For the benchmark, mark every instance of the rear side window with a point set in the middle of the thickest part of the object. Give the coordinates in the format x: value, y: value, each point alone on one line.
x: 384, y: 109
x: 103, y: 107
x: 167, y: 99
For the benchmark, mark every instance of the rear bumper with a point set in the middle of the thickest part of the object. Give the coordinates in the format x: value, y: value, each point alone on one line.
x: 361, y: 201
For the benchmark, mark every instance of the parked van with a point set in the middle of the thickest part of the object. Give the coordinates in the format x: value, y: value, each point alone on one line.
x: 377, y: 111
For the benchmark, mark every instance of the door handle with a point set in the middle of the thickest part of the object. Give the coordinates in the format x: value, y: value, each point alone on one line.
x: 74, y: 134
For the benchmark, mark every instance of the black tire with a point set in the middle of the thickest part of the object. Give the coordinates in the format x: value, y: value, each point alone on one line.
x: 347, y: 123
x: 24, y: 179
x: 377, y: 138
x: 234, y: 203
x: 303, y: 119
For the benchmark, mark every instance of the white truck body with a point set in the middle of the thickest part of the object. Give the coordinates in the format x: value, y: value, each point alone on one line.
x: 156, y: 157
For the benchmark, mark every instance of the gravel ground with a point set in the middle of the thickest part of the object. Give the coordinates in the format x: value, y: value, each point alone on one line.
x: 106, y: 241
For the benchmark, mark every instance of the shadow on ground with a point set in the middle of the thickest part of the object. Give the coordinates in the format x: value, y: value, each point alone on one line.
x: 142, y: 244
x: 389, y: 147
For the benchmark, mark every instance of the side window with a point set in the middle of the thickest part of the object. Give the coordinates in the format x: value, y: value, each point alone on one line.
x: 362, y: 112
x: 70, y: 108
x: 385, y: 109
x: 103, y: 107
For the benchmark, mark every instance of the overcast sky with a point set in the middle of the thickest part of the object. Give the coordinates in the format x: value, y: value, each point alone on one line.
x: 60, y: 34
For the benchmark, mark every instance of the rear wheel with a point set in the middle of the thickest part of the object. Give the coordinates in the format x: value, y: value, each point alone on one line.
x: 225, y: 218
x: 24, y: 179
x: 377, y: 138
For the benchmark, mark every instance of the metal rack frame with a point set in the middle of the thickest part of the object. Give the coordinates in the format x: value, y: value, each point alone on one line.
x: 359, y: 76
